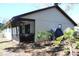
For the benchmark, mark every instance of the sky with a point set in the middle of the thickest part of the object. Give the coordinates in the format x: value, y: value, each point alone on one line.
x: 73, y: 12
x: 8, y: 10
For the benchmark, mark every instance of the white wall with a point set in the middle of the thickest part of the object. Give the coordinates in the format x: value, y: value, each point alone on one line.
x: 7, y: 33
x: 47, y: 19
x: 15, y: 35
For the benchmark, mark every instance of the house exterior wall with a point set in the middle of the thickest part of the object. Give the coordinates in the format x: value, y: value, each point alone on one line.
x: 7, y: 33
x: 15, y: 33
x: 49, y: 19
x: 32, y: 29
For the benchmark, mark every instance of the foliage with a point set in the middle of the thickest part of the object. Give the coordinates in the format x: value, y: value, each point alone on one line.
x: 44, y: 35
x: 66, y: 49
x: 58, y: 41
x: 77, y: 45
x: 69, y: 33
x: 59, y: 38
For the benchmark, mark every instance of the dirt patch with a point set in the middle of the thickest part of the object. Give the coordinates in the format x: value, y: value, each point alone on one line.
x: 10, y: 48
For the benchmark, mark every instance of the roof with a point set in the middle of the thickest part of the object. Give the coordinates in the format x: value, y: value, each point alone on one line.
x: 56, y: 6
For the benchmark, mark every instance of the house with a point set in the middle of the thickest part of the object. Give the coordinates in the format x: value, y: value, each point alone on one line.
x: 26, y: 26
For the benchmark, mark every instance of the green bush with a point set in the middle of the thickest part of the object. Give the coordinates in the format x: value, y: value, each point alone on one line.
x: 59, y: 38
x: 77, y: 45
x: 58, y: 41
x: 69, y: 33
x: 44, y: 35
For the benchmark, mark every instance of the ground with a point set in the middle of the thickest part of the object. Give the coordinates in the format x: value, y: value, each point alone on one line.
x: 4, y: 43
x: 11, y: 48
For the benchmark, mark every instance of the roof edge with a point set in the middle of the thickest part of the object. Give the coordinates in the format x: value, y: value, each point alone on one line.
x: 56, y: 5
x: 66, y: 15
x: 35, y: 11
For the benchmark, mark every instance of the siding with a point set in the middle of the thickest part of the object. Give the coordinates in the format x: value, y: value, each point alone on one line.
x: 31, y: 25
x: 47, y: 19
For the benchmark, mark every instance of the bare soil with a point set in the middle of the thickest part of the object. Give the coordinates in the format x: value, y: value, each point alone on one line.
x: 10, y: 48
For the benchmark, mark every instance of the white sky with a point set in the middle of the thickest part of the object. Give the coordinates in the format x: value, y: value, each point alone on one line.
x: 73, y: 12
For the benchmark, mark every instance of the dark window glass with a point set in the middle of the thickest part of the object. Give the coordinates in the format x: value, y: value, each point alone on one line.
x: 27, y: 29
x: 20, y: 29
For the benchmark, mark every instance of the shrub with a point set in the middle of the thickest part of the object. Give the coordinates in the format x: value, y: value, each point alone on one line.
x: 77, y: 45
x: 58, y: 41
x: 69, y: 33
x: 44, y: 35
x: 59, y: 38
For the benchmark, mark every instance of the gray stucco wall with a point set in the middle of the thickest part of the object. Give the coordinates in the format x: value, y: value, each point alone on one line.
x: 49, y: 19
x: 32, y: 28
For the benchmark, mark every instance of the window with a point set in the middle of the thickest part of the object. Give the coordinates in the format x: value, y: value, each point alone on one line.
x: 20, y: 29
x: 27, y: 29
